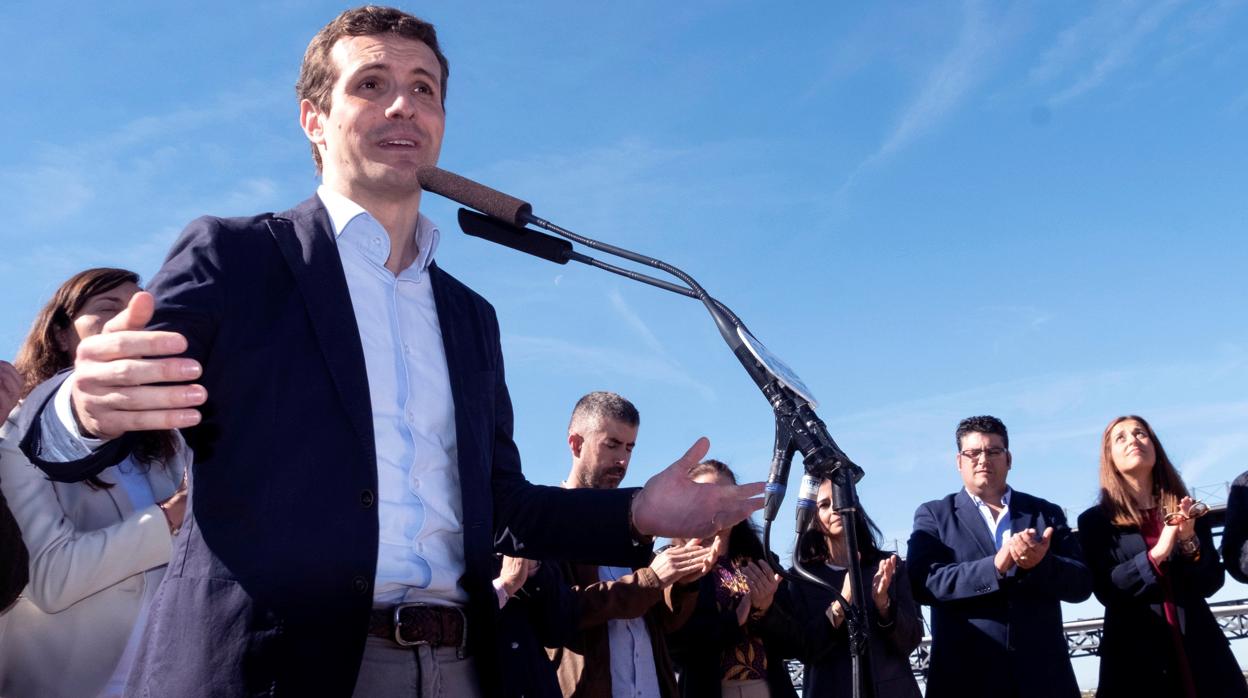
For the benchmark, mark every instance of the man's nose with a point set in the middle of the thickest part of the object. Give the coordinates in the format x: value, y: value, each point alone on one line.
x: 403, y: 106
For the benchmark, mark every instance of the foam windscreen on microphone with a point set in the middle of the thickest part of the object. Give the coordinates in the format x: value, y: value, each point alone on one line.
x: 474, y: 195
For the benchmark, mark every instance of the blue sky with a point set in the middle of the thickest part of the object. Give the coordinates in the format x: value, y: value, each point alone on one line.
x: 930, y: 210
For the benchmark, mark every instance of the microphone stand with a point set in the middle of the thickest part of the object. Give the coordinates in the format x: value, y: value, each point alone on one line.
x: 798, y: 427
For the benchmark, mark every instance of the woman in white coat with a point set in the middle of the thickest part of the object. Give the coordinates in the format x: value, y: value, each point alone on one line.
x: 98, y: 548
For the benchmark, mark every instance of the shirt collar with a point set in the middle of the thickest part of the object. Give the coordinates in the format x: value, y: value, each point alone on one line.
x: 1005, y: 498
x: 345, y: 213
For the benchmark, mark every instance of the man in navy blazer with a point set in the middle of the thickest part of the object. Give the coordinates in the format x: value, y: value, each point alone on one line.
x: 326, y: 429
x: 995, y: 565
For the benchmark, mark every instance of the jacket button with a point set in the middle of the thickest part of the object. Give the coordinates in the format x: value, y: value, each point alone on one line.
x: 359, y: 585
x: 367, y: 498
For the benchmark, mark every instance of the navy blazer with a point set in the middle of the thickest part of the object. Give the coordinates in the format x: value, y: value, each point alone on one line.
x: 271, y: 581
x: 1137, y: 646
x: 995, y: 636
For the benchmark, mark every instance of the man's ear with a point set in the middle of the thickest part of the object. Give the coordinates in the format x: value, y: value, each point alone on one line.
x: 575, y: 442
x: 312, y: 121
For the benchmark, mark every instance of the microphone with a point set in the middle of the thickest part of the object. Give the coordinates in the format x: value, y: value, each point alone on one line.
x: 807, y: 499
x: 474, y: 195
x: 525, y: 240
x: 778, y: 478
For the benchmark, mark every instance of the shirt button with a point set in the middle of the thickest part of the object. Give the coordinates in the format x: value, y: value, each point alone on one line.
x: 415, y: 483
x: 359, y: 585
x: 366, y: 498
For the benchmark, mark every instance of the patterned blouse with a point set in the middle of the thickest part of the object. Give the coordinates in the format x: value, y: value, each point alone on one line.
x: 745, y: 660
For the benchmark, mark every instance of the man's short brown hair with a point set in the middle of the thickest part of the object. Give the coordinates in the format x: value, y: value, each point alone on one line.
x: 318, y: 73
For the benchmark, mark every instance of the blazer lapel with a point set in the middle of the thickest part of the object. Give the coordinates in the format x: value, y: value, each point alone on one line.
x: 305, y: 237
x: 1021, y: 516
x: 970, y: 517
x: 457, y: 322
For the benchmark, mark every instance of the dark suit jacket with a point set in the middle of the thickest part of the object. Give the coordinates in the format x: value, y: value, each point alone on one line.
x: 271, y: 579
x: 1137, y: 649
x: 991, y: 636
x: 824, y: 650
x: 1235, y: 532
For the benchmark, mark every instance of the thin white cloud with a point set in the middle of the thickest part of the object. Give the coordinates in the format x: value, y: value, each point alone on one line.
x: 1100, y: 45
x: 634, y: 322
x: 941, y: 93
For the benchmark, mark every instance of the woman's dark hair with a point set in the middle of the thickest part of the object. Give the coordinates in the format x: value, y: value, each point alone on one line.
x: 43, y: 353
x: 744, y: 541
x: 812, y: 547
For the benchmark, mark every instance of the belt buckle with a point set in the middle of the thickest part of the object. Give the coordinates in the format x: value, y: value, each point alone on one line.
x: 460, y: 651
x: 398, y: 625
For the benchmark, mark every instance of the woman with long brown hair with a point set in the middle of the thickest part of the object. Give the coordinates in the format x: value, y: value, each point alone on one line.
x: 98, y: 548
x: 1153, y: 565
x: 822, y: 639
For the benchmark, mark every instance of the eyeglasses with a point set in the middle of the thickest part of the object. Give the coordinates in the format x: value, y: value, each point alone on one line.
x: 1197, y: 510
x: 974, y: 453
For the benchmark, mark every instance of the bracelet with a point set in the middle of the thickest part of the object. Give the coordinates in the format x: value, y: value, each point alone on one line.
x: 1190, y: 547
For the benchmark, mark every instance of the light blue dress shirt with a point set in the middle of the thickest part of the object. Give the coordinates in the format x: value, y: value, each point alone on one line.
x: 420, y: 554
x: 999, y: 527
x: 633, y: 673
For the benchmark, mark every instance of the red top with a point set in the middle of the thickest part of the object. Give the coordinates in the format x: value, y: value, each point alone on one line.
x: 1151, y: 531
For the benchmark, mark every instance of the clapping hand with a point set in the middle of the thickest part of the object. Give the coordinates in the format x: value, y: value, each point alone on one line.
x: 682, y: 563
x: 1028, y: 549
x: 763, y: 582
x: 881, y: 582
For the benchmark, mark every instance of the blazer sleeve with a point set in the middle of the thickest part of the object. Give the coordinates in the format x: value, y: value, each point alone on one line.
x: 1116, y: 576
x: 1202, y: 577
x: 68, y: 564
x: 936, y: 575
x: 551, y: 606
x: 628, y: 597
x: 707, y: 624
x: 906, y: 631
x: 813, y: 635
x: 189, y: 292
x: 1235, y: 532
x: 543, y: 522
x: 1062, y: 573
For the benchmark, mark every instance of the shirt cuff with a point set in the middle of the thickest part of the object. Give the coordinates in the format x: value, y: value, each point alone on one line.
x: 500, y: 593
x: 62, y: 440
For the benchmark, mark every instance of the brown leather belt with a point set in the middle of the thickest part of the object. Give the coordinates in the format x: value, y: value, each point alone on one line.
x: 411, y: 624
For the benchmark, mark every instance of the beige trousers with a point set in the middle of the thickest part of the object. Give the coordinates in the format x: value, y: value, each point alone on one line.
x: 756, y: 688
x: 391, y: 671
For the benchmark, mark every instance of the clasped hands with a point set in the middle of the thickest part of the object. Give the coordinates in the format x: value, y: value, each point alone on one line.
x: 1180, y: 528
x: 1024, y: 549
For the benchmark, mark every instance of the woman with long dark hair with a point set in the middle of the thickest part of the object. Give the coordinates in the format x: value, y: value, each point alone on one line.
x: 724, y: 649
x: 1153, y: 565
x: 98, y: 548
x: 822, y: 642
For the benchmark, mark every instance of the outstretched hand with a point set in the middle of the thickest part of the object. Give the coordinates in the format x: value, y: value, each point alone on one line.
x: 672, y: 505
x: 114, y: 384
x: 10, y: 388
